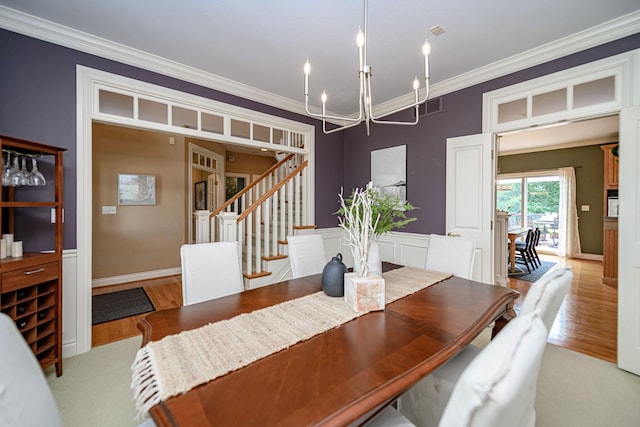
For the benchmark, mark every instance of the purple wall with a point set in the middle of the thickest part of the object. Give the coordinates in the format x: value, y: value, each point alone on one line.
x: 426, y: 142
x: 38, y: 102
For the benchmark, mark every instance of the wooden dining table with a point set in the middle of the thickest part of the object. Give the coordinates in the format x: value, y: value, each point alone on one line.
x: 343, y: 376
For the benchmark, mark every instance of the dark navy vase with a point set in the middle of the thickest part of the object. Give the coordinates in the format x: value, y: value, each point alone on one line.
x: 333, y: 277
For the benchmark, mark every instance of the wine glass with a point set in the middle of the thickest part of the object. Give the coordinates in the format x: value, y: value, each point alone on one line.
x: 36, y: 177
x: 15, y: 173
x: 24, y: 174
x: 6, y: 167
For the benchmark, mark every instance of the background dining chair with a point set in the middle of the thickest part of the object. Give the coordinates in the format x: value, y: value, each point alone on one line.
x: 25, y: 397
x: 536, y: 242
x: 306, y: 254
x: 425, y: 402
x: 210, y: 270
x: 450, y: 254
x: 524, y: 251
x: 498, y: 388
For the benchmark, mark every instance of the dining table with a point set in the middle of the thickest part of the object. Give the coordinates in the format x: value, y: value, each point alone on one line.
x: 343, y: 376
x: 513, y: 234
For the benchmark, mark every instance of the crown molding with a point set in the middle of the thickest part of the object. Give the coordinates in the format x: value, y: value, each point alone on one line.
x: 609, y: 31
x: 41, y: 29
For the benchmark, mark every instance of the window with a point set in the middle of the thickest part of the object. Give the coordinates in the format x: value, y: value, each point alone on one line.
x: 538, y: 196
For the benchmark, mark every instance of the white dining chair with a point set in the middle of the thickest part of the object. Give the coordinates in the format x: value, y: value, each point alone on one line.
x: 450, y: 254
x: 306, y: 254
x: 498, y: 388
x: 210, y: 270
x: 25, y: 397
x: 425, y: 402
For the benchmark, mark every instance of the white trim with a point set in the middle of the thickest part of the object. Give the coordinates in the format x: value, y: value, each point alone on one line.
x: 87, y: 80
x: 618, y: 66
x: 32, y: 26
x: 627, y: 94
x: 134, y: 277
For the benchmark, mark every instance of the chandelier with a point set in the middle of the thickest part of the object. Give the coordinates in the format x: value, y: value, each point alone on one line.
x: 365, y: 72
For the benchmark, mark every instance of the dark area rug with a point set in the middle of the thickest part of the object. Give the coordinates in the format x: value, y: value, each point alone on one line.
x: 535, y: 274
x: 117, y: 305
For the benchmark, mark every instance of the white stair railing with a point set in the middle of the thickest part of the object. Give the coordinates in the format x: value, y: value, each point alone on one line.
x: 275, y: 212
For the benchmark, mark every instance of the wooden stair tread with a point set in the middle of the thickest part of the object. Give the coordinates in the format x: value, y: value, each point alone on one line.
x: 305, y: 227
x: 274, y: 257
x: 257, y: 274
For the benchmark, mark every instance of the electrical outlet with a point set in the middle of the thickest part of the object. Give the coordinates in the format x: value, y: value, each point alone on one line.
x: 108, y: 210
x: 584, y: 208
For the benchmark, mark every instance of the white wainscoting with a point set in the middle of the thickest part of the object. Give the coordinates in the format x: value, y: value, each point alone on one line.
x: 397, y: 247
x: 70, y: 296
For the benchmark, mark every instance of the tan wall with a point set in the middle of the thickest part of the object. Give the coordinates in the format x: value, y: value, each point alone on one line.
x: 248, y: 163
x: 137, y: 238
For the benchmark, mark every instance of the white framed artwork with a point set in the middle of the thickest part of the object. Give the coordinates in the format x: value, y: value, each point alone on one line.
x: 134, y: 189
x: 389, y: 171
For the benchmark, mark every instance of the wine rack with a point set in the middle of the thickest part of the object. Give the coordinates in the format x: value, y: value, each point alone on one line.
x: 31, y: 284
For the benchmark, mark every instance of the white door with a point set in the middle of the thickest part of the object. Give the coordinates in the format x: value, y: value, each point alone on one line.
x: 470, y: 192
x: 629, y: 243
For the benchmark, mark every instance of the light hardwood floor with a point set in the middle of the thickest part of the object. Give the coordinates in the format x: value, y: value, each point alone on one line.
x: 586, y: 322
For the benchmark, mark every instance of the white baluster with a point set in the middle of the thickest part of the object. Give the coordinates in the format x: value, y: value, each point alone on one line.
x: 248, y: 223
x: 267, y: 226
x: 289, y: 186
x: 274, y: 207
x: 258, y: 239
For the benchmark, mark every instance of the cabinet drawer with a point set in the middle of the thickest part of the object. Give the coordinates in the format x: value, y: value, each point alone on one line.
x: 17, y: 279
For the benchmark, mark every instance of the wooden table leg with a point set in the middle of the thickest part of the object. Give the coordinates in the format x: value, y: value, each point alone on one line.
x: 512, y: 252
x: 502, y: 321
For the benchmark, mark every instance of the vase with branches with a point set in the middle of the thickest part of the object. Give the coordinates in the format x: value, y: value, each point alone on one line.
x: 367, y: 215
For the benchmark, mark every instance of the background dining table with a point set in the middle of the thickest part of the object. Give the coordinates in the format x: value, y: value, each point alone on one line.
x: 343, y: 376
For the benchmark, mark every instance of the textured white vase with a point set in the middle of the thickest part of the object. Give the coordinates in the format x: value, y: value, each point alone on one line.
x: 364, y: 294
x: 374, y: 261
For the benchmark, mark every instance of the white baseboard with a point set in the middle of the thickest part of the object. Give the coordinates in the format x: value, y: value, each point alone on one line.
x: 591, y: 257
x: 125, y: 278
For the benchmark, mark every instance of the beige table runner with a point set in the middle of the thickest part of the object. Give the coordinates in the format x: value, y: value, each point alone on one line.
x: 177, y: 363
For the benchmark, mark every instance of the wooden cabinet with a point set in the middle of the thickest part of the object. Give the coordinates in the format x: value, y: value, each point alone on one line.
x: 610, y: 187
x: 31, y: 284
x: 610, y: 252
x: 610, y: 224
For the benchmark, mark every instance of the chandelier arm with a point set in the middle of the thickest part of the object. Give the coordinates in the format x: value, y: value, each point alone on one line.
x: 376, y: 119
x: 324, y: 128
x: 324, y: 116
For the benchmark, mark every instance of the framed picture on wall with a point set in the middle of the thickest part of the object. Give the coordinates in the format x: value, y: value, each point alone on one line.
x: 200, y: 195
x: 389, y: 171
x: 136, y: 189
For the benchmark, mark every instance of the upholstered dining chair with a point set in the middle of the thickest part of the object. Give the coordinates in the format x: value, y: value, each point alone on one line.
x: 306, y: 254
x: 210, y: 270
x: 498, y: 388
x: 450, y: 254
x: 426, y: 401
x: 25, y: 397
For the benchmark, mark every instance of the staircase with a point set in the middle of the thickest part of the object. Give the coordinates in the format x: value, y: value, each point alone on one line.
x: 260, y: 217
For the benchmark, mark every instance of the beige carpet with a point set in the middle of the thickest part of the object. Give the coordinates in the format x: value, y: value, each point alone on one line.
x: 573, y: 389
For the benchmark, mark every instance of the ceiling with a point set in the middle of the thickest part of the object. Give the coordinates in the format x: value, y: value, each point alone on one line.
x: 263, y: 45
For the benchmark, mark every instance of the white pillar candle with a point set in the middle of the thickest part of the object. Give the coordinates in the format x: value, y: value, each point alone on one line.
x: 16, y: 249
x: 3, y: 248
x: 8, y: 238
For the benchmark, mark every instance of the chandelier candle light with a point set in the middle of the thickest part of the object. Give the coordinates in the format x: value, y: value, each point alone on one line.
x: 365, y: 72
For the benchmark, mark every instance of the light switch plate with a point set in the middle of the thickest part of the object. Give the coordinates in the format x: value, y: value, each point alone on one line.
x: 108, y: 210
x: 584, y: 208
